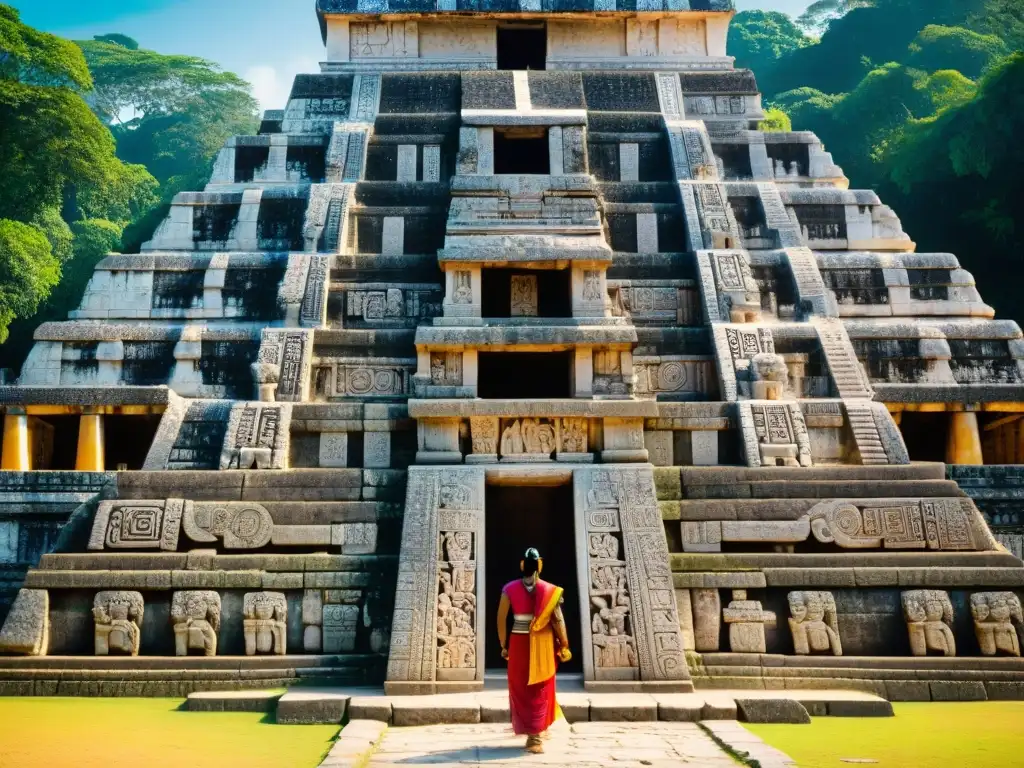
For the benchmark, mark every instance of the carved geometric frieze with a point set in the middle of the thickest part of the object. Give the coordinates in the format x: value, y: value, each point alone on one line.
x: 631, y: 626
x: 936, y: 523
x: 352, y: 377
x: 240, y: 525
x: 673, y: 375
x: 137, y: 525
x: 435, y: 631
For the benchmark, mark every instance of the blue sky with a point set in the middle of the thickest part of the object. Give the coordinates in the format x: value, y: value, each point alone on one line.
x: 266, y: 41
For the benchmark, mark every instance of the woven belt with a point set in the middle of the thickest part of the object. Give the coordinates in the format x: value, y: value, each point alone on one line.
x: 521, y: 623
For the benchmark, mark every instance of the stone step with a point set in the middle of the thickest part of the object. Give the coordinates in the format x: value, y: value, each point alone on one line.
x: 333, y: 705
x: 233, y: 701
x: 865, y: 432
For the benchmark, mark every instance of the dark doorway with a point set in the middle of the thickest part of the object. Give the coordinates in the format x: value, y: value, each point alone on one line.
x: 518, y: 518
x: 553, y: 292
x: 524, y: 375
x: 925, y: 435
x: 127, y: 440
x: 54, y: 442
x: 522, y: 47
x: 522, y: 151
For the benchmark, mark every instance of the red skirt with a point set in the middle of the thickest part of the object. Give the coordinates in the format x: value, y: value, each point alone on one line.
x: 533, y: 706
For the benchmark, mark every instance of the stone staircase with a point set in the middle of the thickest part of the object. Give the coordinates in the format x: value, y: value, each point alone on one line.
x: 842, y: 362
x: 865, y: 432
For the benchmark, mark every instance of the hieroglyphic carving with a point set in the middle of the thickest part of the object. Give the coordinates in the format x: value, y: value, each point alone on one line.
x: 438, y: 582
x: 118, y: 622
x: 621, y: 503
x: 137, y: 525
x: 240, y: 525
x: 814, y: 623
x: 365, y: 104
x: 994, y: 614
x: 524, y: 296
x: 668, y: 94
x: 431, y: 163
x: 744, y: 344
x: 290, y: 352
x: 397, y: 39
x: 929, y: 617
x: 265, y: 626
x: 195, y: 616
x: 311, y: 312
x: 941, y: 524
x: 707, y: 619
x: 362, y: 380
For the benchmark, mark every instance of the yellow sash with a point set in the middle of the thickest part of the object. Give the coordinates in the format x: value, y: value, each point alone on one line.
x: 542, y: 641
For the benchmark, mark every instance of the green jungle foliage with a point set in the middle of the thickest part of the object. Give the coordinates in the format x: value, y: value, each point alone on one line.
x: 96, y: 137
x: 919, y: 101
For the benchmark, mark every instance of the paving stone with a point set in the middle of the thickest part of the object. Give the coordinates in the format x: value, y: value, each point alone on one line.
x: 624, y: 707
x: 370, y: 708
x: 232, y: 701
x: 434, y: 710
x: 763, y: 710
x: 679, y: 707
x: 306, y: 706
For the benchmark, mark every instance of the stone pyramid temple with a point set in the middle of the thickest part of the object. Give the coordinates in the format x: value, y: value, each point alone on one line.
x: 513, y: 273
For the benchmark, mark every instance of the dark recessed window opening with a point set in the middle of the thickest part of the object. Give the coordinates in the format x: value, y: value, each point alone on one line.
x: 522, y: 151
x: 522, y: 47
x: 524, y: 375
x: 127, y: 440
x: 526, y: 293
x: 54, y: 441
x: 925, y: 435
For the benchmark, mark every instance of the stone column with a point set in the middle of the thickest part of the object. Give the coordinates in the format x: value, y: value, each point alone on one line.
x: 90, y: 443
x: 17, y: 450
x: 963, y: 444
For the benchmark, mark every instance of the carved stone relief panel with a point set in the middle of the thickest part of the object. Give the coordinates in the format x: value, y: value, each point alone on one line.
x: 265, y: 626
x: 446, y: 369
x: 524, y: 296
x: 521, y: 437
x: 239, y: 525
x: 195, y: 616
x: 484, y: 434
x: 352, y: 377
x: 572, y: 435
x: 940, y: 524
x: 814, y: 623
x: 257, y: 436
x: 631, y: 623
x: 747, y: 621
x: 397, y: 39
x: 435, y: 624
x: 997, y: 616
x: 929, y: 617
x: 340, y: 624
x: 118, y: 622
x: 668, y: 375
x: 137, y: 525
x: 774, y: 433
x: 462, y: 287
x: 284, y: 360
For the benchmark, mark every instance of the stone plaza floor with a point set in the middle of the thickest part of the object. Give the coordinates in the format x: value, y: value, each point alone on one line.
x: 583, y: 745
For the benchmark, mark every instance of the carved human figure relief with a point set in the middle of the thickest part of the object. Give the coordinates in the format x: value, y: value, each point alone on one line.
x: 929, y: 617
x: 195, y: 616
x: 462, y: 287
x: 524, y: 296
x: 814, y: 623
x: 118, y: 619
x: 265, y: 625
x: 995, y: 615
x: 456, y: 604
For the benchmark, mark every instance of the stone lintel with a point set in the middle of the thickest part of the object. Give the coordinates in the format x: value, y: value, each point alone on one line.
x: 419, y: 409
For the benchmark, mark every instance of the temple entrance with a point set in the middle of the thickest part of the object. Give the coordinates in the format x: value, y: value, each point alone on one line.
x: 518, y: 517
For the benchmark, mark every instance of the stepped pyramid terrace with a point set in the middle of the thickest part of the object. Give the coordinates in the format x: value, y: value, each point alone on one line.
x: 513, y: 273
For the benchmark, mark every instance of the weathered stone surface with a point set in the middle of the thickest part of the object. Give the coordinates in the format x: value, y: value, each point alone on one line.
x: 765, y: 710
x: 27, y: 628
x: 307, y: 706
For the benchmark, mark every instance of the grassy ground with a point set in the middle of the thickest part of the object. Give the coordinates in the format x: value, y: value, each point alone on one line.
x: 149, y: 733
x: 965, y: 735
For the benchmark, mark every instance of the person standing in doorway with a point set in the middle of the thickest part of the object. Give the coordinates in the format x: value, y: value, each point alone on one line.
x: 537, y: 643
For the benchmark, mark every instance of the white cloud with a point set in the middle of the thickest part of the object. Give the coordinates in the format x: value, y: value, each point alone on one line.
x: 271, y: 85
